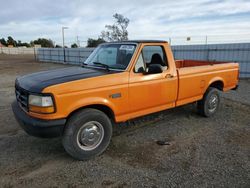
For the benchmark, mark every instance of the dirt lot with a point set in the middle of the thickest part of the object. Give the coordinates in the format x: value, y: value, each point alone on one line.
x: 203, y: 152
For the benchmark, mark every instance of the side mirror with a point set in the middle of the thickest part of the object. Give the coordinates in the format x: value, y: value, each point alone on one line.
x: 141, y: 70
x: 154, y: 69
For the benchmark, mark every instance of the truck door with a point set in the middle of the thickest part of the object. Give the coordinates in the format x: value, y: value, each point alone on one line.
x: 151, y: 92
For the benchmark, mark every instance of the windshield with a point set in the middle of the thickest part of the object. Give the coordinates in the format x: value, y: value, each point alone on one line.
x: 112, y: 56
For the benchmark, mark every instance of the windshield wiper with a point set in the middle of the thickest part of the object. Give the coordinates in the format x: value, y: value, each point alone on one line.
x: 102, y: 64
x: 84, y: 64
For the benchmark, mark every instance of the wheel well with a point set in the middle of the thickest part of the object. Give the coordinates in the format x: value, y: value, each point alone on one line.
x: 217, y: 84
x: 105, y: 109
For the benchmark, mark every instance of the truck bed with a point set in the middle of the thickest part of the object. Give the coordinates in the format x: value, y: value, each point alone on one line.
x: 194, y: 63
x: 194, y: 77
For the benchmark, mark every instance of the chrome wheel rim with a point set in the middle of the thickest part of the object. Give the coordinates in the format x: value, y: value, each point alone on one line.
x: 213, y: 103
x: 90, y: 135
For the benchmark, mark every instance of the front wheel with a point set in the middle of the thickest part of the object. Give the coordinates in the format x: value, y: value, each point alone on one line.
x: 210, y: 102
x: 87, y: 134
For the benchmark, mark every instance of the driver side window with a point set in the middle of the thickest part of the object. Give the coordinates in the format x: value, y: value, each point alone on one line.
x: 140, y: 65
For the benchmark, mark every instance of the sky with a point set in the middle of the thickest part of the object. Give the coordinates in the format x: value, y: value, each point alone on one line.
x: 27, y: 20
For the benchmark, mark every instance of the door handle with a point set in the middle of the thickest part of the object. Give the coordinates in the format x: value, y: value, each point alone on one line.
x: 169, y: 76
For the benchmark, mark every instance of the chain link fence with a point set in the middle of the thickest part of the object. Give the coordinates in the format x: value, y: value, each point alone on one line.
x: 67, y: 55
x: 235, y: 52
x: 17, y: 51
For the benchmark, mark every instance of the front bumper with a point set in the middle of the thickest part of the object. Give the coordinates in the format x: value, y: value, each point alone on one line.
x: 38, y: 127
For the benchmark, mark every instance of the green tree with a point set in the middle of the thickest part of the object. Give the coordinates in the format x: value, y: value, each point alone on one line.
x: 20, y: 43
x: 74, y: 45
x: 117, y: 31
x: 46, y: 43
x: 94, y: 42
x: 26, y: 44
x: 11, y: 41
x: 3, y: 42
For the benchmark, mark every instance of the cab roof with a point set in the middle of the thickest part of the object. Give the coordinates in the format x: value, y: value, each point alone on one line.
x: 140, y: 41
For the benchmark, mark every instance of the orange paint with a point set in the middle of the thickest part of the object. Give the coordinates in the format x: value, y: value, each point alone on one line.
x: 181, y: 83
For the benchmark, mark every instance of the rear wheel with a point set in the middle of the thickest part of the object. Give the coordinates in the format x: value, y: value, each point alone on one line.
x: 87, y: 134
x: 210, y: 102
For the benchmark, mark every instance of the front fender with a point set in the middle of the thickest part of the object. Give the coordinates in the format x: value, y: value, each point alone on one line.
x: 91, y: 101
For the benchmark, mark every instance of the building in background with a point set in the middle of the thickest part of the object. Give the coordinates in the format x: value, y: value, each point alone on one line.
x: 1, y: 45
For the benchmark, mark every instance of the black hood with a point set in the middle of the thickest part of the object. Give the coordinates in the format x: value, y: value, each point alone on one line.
x: 36, y: 82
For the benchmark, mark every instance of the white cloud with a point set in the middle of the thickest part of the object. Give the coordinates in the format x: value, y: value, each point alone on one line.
x: 27, y: 20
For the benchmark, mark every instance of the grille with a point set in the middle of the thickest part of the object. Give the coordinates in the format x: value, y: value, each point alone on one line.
x: 22, y: 97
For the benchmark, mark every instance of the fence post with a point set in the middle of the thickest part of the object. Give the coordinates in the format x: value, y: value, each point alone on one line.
x: 208, y: 51
x: 35, y: 53
x: 50, y: 56
x: 64, y: 59
x: 79, y: 56
x: 44, y: 54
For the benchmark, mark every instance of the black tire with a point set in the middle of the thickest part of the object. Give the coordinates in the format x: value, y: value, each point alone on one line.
x: 206, y: 107
x: 76, y: 132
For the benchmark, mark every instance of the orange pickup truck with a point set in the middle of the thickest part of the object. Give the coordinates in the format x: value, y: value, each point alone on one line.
x: 119, y: 81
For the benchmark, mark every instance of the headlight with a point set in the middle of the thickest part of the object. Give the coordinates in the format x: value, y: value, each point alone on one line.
x: 43, y: 101
x: 41, y: 104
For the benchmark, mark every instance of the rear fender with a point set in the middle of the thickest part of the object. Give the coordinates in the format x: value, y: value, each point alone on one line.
x: 216, y: 79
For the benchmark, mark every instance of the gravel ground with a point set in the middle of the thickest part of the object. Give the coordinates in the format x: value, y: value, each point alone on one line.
x: 243, y: 93
x: 202, y: 152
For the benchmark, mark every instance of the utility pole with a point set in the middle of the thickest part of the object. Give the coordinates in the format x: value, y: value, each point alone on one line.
x: 64, y: 59
x: 77, y: 41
